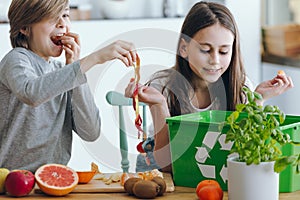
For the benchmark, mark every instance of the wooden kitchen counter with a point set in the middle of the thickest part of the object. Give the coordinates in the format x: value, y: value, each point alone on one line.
x: 179, y: 193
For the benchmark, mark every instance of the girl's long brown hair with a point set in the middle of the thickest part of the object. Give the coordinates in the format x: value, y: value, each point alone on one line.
x: 182, y: 79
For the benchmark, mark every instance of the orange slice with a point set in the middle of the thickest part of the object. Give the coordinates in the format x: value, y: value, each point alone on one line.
x: 85, y: 176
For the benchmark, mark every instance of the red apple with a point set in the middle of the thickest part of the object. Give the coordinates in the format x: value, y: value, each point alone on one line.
x: 19, y: 183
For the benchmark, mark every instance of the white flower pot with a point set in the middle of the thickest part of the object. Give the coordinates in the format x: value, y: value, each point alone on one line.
x: 252, y: 182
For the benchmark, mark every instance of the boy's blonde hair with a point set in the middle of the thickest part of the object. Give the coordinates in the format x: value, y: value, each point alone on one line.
x: 23, y: 14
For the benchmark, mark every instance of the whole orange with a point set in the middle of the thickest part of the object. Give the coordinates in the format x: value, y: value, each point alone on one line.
x: 210, y: 192
x: 209, y: 182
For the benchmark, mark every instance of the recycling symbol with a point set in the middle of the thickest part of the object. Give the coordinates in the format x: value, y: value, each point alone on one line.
x: 213, y: 142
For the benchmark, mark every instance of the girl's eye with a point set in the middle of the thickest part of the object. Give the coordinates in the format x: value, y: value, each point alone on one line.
x: 223, y: 52
x: 204, y: 50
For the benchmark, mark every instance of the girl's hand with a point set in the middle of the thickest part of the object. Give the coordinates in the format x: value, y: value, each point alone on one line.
x: 274, y: 87
x: 71, y: 45
x: 146, y: 94
x: 122, y: 50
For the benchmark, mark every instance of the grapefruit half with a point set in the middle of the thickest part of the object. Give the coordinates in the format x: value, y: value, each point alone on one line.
x: 56, y: 179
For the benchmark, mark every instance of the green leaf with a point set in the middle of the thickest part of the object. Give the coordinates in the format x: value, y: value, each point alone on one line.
x: 283, y: 162
x: 250, y: 97
x: 281, y: 117
x: 230, y: 136
x: 275, y: 121
x: 233, y: 117
x: 257, y: 96
x: 240, y: 107
x: 269, y: 108
x: 280, y: 165
x: 258, y: 118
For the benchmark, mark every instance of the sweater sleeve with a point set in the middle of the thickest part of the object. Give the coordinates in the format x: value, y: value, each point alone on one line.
x: 27, y: 77
x: 86, y: 117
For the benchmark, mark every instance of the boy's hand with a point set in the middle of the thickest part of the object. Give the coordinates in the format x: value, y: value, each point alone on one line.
x: 71, y: 45
x: 122, y: 50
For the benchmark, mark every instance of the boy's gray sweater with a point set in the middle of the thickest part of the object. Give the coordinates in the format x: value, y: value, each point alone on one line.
x: 41, y: 103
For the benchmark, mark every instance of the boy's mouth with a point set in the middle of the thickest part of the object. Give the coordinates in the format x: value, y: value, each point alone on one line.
x: 57, y: 39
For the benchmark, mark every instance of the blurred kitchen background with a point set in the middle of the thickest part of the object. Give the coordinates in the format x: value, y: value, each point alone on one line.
x: 273, y: 12
x: 112, y: 9
x: 270, y: 41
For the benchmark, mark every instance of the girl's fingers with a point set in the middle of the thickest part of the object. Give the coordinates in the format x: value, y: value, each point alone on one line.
x: 282, y: 80
x: 129, y: 89
x: 291, y: 84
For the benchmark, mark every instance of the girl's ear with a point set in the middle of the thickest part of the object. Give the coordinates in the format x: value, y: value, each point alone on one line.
x: 183, y: 48
x: 25, y: 31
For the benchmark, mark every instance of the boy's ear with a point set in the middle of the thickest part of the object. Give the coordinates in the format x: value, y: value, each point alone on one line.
x: 183, y: 48
x: 25, y: 31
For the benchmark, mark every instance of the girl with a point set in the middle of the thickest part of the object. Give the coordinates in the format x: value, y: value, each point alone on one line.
x: 43, y: 100
x: 208, y: 74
